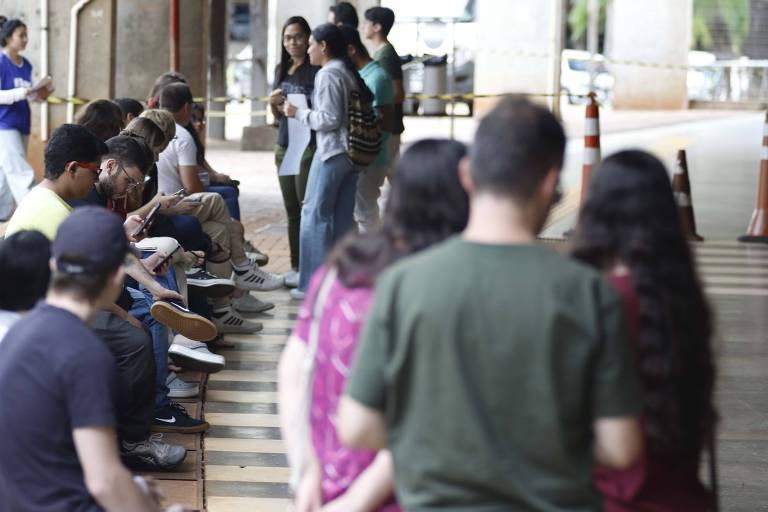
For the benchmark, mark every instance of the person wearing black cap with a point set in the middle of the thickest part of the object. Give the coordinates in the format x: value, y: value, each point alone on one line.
x: 57, y: 384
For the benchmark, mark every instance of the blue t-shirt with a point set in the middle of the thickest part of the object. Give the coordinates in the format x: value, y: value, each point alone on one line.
x: 15, y: 116
x: 55, y: 376
x: 379, y: 83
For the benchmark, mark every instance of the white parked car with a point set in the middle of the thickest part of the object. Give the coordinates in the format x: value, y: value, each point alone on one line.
x: 575, y: 72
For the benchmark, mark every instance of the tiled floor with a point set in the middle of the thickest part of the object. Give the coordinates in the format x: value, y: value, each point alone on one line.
x: 245, y: 466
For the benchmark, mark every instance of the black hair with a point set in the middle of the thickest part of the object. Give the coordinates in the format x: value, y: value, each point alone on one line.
x: 337, y: 48
x: 24, y: 270
x: 515, y: 145
x: 87, y: 286
x: 285, y: 57
x: 103, y: 117
x: 174, y: 96
x: 383, y: 16
x: 345, y: 13
x: 167, y: 78
x: 68, y: 143
x: 427, y: 204
x: 352, y: 38
x: 129, y: 106
x: 7, y: 28
x: 630, y: 216
x: 131, y: 152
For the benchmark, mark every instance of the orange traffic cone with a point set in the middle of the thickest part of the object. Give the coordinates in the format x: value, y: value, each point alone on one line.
x: 591, y: 143
x: 757, y: 231
x: 681, y: 187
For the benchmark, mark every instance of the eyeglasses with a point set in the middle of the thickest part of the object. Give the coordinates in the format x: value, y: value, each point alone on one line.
x: 95, y: 169
x: 299, y: 38
x: 132, y: 183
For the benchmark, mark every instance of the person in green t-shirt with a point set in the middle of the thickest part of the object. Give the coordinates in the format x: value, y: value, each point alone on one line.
x: 378, y: 22
x: 371, y: 177
x: 497, y: 384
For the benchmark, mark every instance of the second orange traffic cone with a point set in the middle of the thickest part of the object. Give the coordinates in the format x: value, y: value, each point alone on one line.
x: 681, y: 187
x: 591, y: 143
x: 757, y: 231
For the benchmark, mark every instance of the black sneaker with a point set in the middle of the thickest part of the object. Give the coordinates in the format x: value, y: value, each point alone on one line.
x: 209, y: 284
x: 152, y: 454
x: 174, y: 418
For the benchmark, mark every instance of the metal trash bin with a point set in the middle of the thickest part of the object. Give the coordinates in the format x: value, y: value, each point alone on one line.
x: 435, y: 82
x: 409, y: 106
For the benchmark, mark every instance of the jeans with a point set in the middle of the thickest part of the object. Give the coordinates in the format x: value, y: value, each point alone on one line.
x: 230, y: 194
x: 293, y: 189
x: 328, y: 212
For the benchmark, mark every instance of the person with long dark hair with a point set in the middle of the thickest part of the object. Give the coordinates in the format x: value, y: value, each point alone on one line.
x: 427, y: 205
x: 103, y: 118
x: 16, y: 175
x: 293, y: 75
x: 629, y: 229
x: 329, y: 202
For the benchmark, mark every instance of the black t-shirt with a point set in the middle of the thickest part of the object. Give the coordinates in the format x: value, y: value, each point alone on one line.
x: 302, y: 81
x: 55, y: 376
x: 95, y: 198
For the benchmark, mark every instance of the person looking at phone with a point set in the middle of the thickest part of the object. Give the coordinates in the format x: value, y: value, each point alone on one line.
x: 16, y: 175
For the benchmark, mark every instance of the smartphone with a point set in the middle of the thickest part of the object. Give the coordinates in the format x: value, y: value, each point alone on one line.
x: 181, y: 192
x: 165, y: 260
x: 192, y: 200
x: 147, y: 220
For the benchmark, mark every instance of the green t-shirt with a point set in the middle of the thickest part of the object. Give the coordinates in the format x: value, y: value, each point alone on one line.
x: 490, y: 363
x: 388, y: 59
x: 379, y: 83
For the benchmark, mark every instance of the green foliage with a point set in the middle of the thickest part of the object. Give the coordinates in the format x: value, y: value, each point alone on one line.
x: 578, y: 19
x: 734, y: 14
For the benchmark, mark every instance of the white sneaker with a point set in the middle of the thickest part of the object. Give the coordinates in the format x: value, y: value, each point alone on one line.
x: 291, y: 279
x: 178, y: 388
x: 194, y: 355
x: 250, y: 304
x: 229, y: 321
x: 296, y: 294
x: 255, y: 279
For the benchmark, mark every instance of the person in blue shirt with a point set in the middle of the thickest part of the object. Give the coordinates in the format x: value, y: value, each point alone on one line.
x: 372, y: 177
x: 16, y: 175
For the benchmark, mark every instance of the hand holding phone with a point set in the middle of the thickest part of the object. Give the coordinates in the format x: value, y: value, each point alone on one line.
x: 165, y: 260
x: 147, y: 222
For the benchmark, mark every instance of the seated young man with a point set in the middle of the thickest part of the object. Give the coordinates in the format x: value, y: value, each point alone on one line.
x: 522, y: 357
x: 72, y: 166
x: 24, y: 275
x: 178, y: 168
x: 58, y: 450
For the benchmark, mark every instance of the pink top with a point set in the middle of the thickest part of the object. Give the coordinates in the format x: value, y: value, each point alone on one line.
x: 344, y: 314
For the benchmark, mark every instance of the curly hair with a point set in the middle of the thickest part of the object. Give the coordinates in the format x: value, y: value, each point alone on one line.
x: 427, y: 204
x: 630, y: 216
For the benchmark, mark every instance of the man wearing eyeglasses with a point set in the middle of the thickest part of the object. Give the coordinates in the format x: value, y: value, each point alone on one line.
x: 72, y: 166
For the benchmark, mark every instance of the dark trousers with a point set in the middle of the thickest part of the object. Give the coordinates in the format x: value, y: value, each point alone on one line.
x: 135, y: 400
x: 293, y: 189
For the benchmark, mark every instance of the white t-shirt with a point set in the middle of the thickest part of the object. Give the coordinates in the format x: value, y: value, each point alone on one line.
x: 180, y: 152
x: 7, y: 319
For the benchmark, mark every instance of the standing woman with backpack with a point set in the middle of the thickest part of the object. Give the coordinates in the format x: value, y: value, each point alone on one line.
x: 329, y: 201
x: 16, y: 175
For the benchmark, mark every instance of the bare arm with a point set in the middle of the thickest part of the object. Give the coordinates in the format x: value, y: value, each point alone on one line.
x: 399, y: 91
x: 360, y: 426
x: 190, y: 179
x: 387, y: 115
x: 110, y: 484
x: 136, y: 270
x: 370, y: 489
x: 618, y: 441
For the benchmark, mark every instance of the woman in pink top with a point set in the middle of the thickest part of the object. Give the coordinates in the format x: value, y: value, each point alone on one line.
x: 629, y: 228
x: 427, y: 204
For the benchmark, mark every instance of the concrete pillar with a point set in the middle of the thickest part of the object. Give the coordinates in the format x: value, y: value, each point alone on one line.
x: 650, y: 31
x: 217, y: 64
x: 514, y: 39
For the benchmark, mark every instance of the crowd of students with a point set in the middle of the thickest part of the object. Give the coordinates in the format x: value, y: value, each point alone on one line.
x: 442, y: 358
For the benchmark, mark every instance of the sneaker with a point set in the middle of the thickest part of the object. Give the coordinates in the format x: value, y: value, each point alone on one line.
x: 211, y: 285
x: 194, y: 355
x: 174, y: 418
x: 152, y: 454
x: 296, y: 294
x: 229, y: 321
x: 291, y: 279
x: 178, y: 388
x: 253, y: 253
x: 250, y: 304
x: 256, y: 279
x: 182, y: 320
